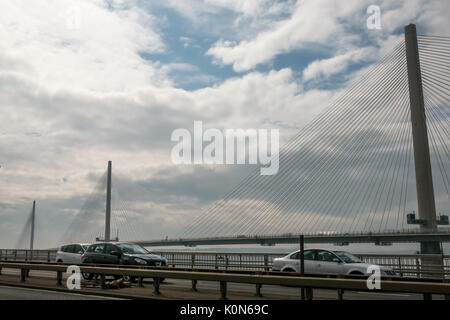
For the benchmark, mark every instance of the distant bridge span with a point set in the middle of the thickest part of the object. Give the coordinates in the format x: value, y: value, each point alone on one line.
x: 291, y: 239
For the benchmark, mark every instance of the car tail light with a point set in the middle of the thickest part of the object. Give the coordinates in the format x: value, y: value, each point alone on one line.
x: 82, y: 256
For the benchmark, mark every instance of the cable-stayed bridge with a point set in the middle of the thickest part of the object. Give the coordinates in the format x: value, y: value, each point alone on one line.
x: 355, y: 174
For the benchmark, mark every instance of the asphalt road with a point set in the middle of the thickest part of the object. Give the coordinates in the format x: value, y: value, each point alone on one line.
x: 288, y: 292
x: 15, y: 293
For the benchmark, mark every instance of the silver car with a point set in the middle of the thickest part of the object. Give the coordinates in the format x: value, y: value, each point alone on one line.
x: 323, y: 261
x: 71, y: 253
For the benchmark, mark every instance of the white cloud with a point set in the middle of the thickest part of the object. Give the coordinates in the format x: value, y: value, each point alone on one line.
x: 102, y: 54
x: 336, y: 64
x: 302, y: 28
x: 326, y: 23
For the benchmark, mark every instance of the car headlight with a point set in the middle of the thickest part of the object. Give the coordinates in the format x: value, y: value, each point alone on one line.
x: 140, y: 261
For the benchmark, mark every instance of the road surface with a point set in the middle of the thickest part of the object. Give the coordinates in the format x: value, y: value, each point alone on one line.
x: 279, y: 292
x: 15, y: 293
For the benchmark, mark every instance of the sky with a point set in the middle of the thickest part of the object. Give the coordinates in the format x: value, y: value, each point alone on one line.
x: 87, y: 81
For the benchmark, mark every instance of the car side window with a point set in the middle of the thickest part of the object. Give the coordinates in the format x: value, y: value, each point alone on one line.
x: 99, y: 248
x: 70, y: 249
x: 91, y: 248
x: 325, y: 256
x: 109, y: 248
x: 77, y: 249
x: 307, y: 255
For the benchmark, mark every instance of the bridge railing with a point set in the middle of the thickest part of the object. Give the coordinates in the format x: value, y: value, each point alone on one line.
x: 221, y: 261
x: 341, y: 284
x: 27, y: 255
x: 406, y: 265
x: 413, y: 266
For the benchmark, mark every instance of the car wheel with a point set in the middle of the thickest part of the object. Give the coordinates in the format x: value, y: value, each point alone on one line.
x: 87, y: 276
x: 59, y: 261
x: 288, y: 270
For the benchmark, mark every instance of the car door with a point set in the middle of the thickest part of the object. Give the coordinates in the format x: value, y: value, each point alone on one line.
x: 110, y: 257
x: 328, y: 262
x: 69, y: 256
x: 98, y: 255
x: 77, y: 251
x: 308, y: 256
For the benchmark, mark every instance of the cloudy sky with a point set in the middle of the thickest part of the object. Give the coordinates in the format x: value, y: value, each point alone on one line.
x: 87, y: 81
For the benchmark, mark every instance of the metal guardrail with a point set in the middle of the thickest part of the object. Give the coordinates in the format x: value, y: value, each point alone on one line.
x: 406, y: 265
x: 340, y: 284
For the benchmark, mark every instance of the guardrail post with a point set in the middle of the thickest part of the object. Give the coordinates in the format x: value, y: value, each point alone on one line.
x: 194, y: 285
x: 266, y: 262
x: 0, y: 270
x: 427, y: 296
x: 258, y: 290
x: 22, y: 275
x: 309, y: 293
x: 59, y: 278
x: 302, y: 264
x: 173, y: 260
x: 140, y: 285
x: 192, y: 261
x: 216, y: 266
x: 400, y: 266
x: 340, y: 294
x: 102, y: 281
x: 223, y: 290
x: 417, y: 268
x: 226, y: 262
x: 156, y: 284
x: 15, y: 255
x: 48, y: 256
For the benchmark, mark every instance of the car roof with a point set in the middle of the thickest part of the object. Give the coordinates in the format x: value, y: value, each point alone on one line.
x: 325, y: 249
x: 113, y: 242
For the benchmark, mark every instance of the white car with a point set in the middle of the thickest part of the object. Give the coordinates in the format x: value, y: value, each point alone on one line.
x: 323, y: 261
x: 71, y: 253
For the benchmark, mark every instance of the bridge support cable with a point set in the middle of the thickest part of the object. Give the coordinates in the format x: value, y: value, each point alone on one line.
x: 88, y: 223
x: 26, y: 237
x: 305, y: 136
x: 319, y: 185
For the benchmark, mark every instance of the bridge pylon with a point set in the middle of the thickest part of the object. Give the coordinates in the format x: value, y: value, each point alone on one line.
x: 33, y: 214
x: 108, y: 204
x: 424, y: 178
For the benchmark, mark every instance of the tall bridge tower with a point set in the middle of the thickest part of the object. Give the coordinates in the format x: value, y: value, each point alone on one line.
x: 424, y: 178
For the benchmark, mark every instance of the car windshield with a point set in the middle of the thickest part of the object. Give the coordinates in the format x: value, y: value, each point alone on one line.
x: 347, y: 257
x: 132, y: 248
